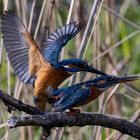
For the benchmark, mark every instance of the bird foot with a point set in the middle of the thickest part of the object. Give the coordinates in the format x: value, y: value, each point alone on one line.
x: 56, y: 97
x: 73, y: 111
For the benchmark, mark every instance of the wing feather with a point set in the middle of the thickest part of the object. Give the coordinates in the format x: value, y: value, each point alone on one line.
x: 19, y: 46
x: 71, y: 97
x: 57, y: 40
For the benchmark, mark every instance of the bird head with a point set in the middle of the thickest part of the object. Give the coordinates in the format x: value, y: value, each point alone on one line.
x: 77, y: 65
x: 106, y: 81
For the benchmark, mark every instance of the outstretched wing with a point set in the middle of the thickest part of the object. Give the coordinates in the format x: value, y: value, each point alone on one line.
x: 20, y: 47
x: 71, y: 97
x: 57, y: 40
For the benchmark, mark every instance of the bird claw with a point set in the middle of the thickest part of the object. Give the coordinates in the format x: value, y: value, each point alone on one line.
x: 55, y: 97
x: 51, y: 94
x: 74, y: 111
x: 52, y: 98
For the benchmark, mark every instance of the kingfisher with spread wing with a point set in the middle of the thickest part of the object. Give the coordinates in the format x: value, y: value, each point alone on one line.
x: 37, y: 66
x: 83, y: 93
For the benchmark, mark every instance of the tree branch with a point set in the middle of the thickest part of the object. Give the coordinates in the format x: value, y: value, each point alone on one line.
x: 79, y: 119
x: 54, y: 119
x: 14, y: 104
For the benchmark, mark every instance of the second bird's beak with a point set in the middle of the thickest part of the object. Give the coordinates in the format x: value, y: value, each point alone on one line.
x: 123, y: 79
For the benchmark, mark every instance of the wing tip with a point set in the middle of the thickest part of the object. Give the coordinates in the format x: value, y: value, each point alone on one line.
x: 80, y: 25
x: 75, y: 29
x: 76, y: 24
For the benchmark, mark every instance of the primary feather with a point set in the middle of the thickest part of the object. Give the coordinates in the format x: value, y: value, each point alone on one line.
x: 20, y: 47
x: 57, y: 40
x: 70, y: 96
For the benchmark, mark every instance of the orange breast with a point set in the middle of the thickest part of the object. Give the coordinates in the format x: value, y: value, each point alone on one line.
x: 48, y: 76
x: 95, y: 93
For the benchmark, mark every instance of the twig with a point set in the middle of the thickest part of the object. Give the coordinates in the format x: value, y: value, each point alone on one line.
x: 117, y: 44
x: 68, y: 20
x: 39, y: 19
x: 109, y: 97
x: 133, y: 119
x: 92, y: 20
x: 31, y: 15
x: 1, y: 50
x: 13, y: 104
x: 8, y: 76
x: 122, y: 18
x: 132, y: 89
x: 129, y: 97
x: 3, y: 125
x: 88, y: 32
x: 51, y: 11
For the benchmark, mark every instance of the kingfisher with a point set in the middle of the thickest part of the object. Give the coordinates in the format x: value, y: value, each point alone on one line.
x: 39, y: 67
x: 84, y: 92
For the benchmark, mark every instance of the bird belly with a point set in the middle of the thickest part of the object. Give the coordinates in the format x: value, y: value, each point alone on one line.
x: 95, y: 93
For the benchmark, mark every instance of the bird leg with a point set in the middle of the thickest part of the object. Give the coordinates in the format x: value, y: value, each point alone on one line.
x: 74, y: 111
x: 52, y: 98
x: 55, y: 97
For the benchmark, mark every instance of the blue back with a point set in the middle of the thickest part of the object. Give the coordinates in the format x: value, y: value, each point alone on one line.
x: 70, y: 97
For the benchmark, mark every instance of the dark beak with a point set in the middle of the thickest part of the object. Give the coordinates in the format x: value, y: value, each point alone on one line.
x: 93, y: 70
x: 123, y: 79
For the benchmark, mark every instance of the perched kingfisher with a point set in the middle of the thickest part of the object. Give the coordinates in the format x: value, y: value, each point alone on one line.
x: 38, y: 66
x: 83, y: 93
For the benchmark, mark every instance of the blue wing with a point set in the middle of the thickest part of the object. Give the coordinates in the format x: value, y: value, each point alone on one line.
x: 17, y: 44
x: 71, y: 97
x: 57, y: 40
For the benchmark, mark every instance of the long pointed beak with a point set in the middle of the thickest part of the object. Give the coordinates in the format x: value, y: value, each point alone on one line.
x: 93, y: 70
x: 124, y: 79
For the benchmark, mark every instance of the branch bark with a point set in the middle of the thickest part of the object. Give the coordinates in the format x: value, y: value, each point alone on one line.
x: 79, y: 119
x: 59, y: 119
x: 14, y: 104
